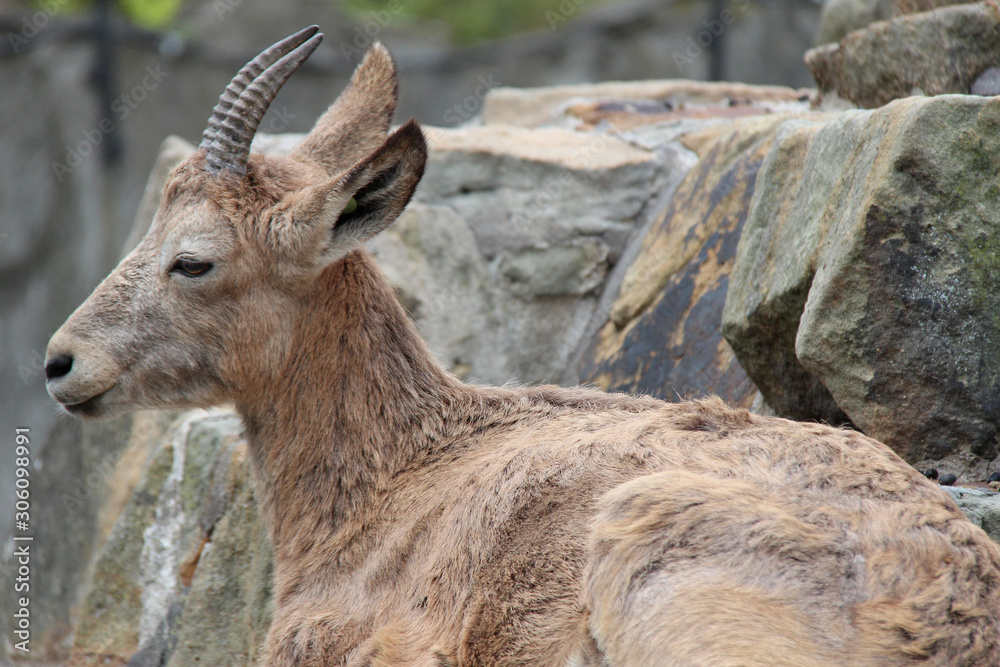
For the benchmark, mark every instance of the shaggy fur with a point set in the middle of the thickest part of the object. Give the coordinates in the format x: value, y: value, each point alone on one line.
x: 420, y: 521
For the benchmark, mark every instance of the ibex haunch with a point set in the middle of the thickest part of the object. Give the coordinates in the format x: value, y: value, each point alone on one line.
x: 417, y: 520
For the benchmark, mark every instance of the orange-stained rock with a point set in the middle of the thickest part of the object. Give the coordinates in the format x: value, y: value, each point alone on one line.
x: 663, y: 334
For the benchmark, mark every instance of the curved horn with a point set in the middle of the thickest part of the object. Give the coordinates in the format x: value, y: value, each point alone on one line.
x: 236, y: 117
x: 246, y: 75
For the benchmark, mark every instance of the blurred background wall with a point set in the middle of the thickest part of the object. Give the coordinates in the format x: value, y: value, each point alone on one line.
x: 90, y: 88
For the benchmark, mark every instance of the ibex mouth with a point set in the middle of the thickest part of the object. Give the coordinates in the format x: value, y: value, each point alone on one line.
x: 89, y: 408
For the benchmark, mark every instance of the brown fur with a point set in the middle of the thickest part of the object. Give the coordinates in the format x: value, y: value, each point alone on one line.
x: 420, y: 521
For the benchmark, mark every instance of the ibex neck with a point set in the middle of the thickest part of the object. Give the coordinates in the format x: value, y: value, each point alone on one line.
x: 361, y: 398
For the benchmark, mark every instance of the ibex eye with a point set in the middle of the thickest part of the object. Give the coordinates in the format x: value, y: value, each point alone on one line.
x: 190, y: 267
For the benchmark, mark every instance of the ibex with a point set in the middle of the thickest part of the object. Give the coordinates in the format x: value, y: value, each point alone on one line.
x: 417, y: 520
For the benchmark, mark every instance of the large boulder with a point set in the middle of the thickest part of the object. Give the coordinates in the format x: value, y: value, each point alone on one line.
x: 870, y: 261
x: 662, y: 335
x: 930, y: 53
x: 775, y: 264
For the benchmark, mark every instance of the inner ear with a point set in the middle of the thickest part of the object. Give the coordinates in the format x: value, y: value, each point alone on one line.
x: 381, y: 186
x: 367, y: 202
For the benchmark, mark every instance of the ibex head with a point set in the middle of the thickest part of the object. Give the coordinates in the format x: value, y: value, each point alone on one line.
x: 239, y: 240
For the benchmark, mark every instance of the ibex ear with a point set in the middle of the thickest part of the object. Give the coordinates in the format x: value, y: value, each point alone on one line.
x: 356, y: 124
x: 350, y: 209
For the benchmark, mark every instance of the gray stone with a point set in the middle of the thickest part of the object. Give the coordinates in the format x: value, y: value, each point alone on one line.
x: 227, y: 608
x: 987, y: 84
x: 573, y: 269
x: 775, y: 263
x: 982, y: 506
x: 840, y: 17
x: 532, y: 188
x: 430, y: 258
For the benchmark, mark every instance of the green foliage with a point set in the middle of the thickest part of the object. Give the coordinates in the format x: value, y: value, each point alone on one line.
x: 480, y: 20
x: 150, y: 14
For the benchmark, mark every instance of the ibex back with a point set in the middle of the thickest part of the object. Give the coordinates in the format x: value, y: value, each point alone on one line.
x: 417, y: 520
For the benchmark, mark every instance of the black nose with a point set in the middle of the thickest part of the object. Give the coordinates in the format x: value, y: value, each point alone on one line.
x: 58, y: 366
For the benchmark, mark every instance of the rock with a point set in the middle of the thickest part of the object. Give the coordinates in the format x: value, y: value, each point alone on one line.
x: 775, y: 264
x: 72, y: 507
x: 536, y: 201
x: 530, y: 189
x: 931, y: 53
x: 573, y: 269
x: 194, y: 482
x: 662, y: 334
x: 840, y: 17
x: 987, y: 84
x: 430, y: 258
x: 982, y: 506
x: 535, y: 107
x: 889, y: 246
x: 227, y: 609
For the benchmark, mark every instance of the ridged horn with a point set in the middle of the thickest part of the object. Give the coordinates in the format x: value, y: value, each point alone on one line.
x: 243, y: 104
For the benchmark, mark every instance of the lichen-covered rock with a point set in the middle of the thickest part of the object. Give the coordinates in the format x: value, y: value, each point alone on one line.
x: 875, y: 239
x: 776, y: 261
x: 930, y: 53
x: 85, y: 475
x: 663, y: 332
x: 227, y: 608
x: 134, y: 609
